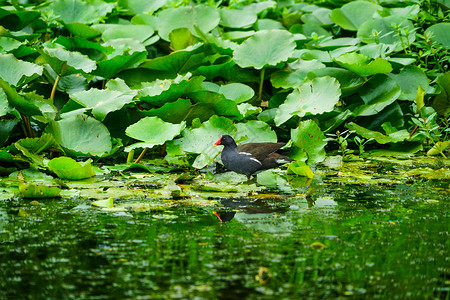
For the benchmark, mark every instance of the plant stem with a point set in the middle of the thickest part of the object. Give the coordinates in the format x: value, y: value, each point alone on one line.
x: 27, y: 126
x: 261, y: 84
x: 141, y: 155
x: 52, y: 94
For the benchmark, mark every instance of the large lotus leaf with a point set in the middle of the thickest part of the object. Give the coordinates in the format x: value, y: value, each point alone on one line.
x: 392, y: 30
x: 380, y: 138
x: 377, y: 93
x: 308, y: 137
x: 81, y: 135
x: 349, y: 82
x: 17, y: 72
x: 70, y: 11
x: 353, y: 14
x: 221, y: 45
x: 65, y: 62
x: 318, y: 15
x: 169, y: 66
x: 361, y: 64
x: 103, y: 102
x: 31, y: 147
x: 314, y: 97
x: 82, y: 30
x: 128, y: 53
x: 228, y: 70
x: 409, y: 79
x: 141, y: 33
x: 237, y: 92
x: 439, y: 33
x: 265, y: 48
x: 255, y: 132
x: 23, y: 105
x: 173, y: 112
x: 17, y: 20
x: 296, y: 75
x: 142, y: 6
x: 221, y: 106
x: 159, y: 92
x: 200, y: 140
x: 152, y: 131
x: 4, y: 106
x: 331, y: 44
x: 441, y: 102
x: 31, y: 190
x: 68, y: 168
x: 8, y: 44
x: 236, y: 18
x: 204, y: 17
x: 94, y: 50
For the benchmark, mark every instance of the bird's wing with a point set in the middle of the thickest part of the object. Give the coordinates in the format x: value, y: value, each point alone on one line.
x: 259, y: 152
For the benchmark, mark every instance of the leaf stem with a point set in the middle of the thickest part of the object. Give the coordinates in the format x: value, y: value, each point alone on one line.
x: 141, y: 155
x: 52, y: 94
x: 261, y: 84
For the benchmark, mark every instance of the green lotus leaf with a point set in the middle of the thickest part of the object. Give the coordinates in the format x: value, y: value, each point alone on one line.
x: 142, y: 6
x: 204, y: 17
x: 152, y: 131
x: 361, y: 64
x: 313, y: 97
x: 377, y: 93
x: 236, y: 18
x: 128, y: 54
x: 8, y: 44
x: 409, y: 79
x: 31, y: 190
x: 380, y: 138
x: 300, y: 168
x: 17, y: 20
x: 17, y: 72
x: 68, y: 168
x: 237, y: 92
x: 296, y: 74
x: 255, y: 132
x: 440, y: 33
x: 159, y: 92
x: 141, y: 33
x: 265, y: 48
x: 23, y: 105
x: 349, y: 82
x: 353, y: 14
x: 103, y: 102
x: 82, y: 30
x: 65, y: 62
x: 81, y: 135
x: 6, y: 128
x: 308, y: 137
x: 392, y: 30
x: 173, y: 112
x: 70, y: 11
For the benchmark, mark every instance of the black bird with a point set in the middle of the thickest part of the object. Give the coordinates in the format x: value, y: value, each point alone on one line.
x: 251, y: 158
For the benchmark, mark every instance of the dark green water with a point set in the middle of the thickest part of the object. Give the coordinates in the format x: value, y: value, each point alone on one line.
x: 382, y: 242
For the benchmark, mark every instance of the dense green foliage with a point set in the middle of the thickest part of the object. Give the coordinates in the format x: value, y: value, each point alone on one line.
x: 95, y: 78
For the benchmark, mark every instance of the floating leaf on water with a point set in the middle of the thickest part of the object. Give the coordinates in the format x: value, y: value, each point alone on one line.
x: 108, y: 203
x: 30, y: 190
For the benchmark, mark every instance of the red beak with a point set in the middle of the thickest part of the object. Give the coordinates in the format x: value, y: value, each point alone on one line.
x: 218, y: 142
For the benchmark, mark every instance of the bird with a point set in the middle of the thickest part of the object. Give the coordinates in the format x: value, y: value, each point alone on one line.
x: 251, y: 158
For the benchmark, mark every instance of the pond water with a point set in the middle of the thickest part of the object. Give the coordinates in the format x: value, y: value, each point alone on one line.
x: 374, y: 241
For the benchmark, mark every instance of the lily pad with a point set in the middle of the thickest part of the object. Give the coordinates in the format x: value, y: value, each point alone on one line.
x: 362, y: 65
x: 17, y: 72
x: 265, y: 48
x: 314, y: 97
x: 152, y: 131
x: 31, y: 190
x: 68, y: 168
x: 308, y: 137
